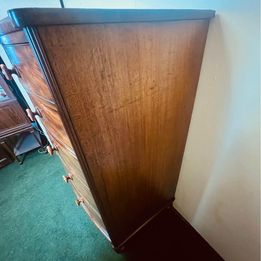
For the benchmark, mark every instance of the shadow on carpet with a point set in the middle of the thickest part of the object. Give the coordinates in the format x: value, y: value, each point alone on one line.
x: 39, y: 221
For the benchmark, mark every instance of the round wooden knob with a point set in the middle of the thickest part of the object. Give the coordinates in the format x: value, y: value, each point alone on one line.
x: 8, y: 72
x: 78, y: 201
x: 50, y: 149
x: 66, y: 178
x: 31, y: 115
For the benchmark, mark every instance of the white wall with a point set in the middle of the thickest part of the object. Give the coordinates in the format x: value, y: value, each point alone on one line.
x: 6, y: 5
x: 218, y: 189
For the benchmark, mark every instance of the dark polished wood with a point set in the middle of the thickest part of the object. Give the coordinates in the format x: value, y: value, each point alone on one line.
x: 7, y: 26
x: 115, y: 90
x: 51, y: 119
x: 36, y: 44
x: 57, y: 16
x: 5, y: 157
x: 137, y: 107
x: 13, y: 119
x: 16, y: 37
x: 31, y: 76
x: 70, y: 162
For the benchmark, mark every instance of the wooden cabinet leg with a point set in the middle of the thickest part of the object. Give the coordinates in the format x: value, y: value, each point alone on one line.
x: 10, y: 151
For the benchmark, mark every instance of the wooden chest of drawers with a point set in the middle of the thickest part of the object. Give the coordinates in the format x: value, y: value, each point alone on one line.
x: 115, y: 90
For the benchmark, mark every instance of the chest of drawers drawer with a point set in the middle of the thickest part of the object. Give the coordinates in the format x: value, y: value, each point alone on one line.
x: 51, y: 119
x: 75, y: 175
x: 22, y: 57
x: 70, y: 162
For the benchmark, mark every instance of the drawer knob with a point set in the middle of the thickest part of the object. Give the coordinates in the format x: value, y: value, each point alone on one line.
x: 66, y: 178
x: 8, y: 72
x: 50, y: 149
x: 31, y: 115
x: 78, y: 201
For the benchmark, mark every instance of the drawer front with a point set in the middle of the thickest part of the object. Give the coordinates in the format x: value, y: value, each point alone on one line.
x: 52, y: 120
x: 94, y: 216
x: 77, y: 180
x: 70, y: 162
x: 84, y: 192
x: 17, y: 37
x: 32, y: 78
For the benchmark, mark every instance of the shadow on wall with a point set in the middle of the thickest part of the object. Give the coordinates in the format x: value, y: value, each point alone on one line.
x: 207, y: 123
x: 219, y: 183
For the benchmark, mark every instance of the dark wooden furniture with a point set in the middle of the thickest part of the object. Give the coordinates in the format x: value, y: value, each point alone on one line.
x: 115, y: 90
x: 13, y: 120
x: 5, y: 157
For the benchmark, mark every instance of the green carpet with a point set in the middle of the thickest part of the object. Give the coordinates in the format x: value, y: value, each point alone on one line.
x: 39, y: 219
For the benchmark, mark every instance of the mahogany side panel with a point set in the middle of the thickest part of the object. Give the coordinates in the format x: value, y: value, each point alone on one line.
x: 129, y: 91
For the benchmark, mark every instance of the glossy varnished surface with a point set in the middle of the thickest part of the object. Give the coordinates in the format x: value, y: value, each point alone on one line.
x: 52, y: 120
x: 17, y: 37
x: 57, y: 16
x: 129, y: 91
x: 12, y: 118
x: 21, y: 55
x: 31, y: 76
x: 7, y: 26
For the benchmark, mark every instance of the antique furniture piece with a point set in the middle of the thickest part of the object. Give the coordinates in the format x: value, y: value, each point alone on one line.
x: 14, y: 122
x: 5, y: 157
x: 115, y: 90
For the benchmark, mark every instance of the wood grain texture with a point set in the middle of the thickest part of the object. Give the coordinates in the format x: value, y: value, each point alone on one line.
x: 70, y: 162
x: 13, y: 119
x: 17, y: 37
x: 77, y: 180
x: 51, y: 120
x: 129, y: 90
x: 35, y: 84
x: 31, y: 75
x: 37, y: 47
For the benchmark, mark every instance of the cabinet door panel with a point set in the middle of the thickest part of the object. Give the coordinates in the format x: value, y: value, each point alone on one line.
x: 12, y: 118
